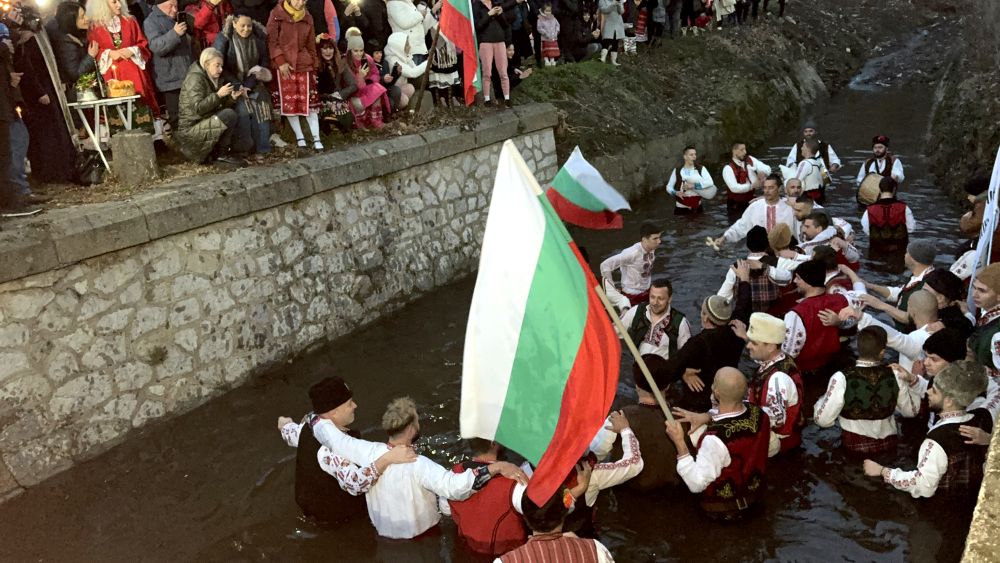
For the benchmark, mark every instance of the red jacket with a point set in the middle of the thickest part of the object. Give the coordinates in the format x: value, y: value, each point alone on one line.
x: 822, y: 342
x: 487, y: 520
x: 208, y: 20
x: 291, y: 42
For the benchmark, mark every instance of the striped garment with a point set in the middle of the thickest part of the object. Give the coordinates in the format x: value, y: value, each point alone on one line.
x: 556, y: 548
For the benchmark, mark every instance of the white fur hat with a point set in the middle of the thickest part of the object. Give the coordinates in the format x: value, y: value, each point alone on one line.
x: 766, y: 328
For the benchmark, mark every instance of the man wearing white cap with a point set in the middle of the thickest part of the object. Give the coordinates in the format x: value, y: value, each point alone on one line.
x: 947, y: 462
x: 776, y: 387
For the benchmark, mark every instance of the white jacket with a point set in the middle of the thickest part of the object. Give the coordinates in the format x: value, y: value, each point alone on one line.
x: 405, y: 17
x: 395, y: 52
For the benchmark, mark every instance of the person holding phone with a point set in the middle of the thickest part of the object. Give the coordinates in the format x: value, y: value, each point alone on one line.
x: 209, y: 125
x: 170, y: 43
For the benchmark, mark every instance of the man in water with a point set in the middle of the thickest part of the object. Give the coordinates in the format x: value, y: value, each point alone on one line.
x: 742, y: 174
x: 764, y: 212
x: 823, y: 150
x: 656, y: 327
x: 882, y: 162
x: 636, y: 266
x: 919, y: 260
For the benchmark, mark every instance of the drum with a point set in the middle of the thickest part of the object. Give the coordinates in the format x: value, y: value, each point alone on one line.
x: 868, y: 191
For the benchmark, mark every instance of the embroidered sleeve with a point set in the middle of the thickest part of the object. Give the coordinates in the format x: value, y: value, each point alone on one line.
x: 908, y: 400
x: 683, y: 334
x: 699, y: 473
x: 781, y: 394
x: 922, y: 481
x: 354, y: 479
x: 607, y: 475
x: 995, y: 346
x: 828, y: 406
x: 795, y: 334
x: 290, y: 434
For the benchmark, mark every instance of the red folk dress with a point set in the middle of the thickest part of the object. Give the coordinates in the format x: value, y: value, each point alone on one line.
x: 293, y: 42
x: 124, y: 32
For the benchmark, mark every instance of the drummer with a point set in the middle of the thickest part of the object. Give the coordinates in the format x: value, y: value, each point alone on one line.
x: 882, y: 162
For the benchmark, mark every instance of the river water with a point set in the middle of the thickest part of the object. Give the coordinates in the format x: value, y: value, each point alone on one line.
x: 216, y: 484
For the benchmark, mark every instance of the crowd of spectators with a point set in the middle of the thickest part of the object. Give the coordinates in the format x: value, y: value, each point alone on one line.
x: 221, y: 79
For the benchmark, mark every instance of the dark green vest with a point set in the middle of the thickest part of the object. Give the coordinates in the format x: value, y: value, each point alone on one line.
x: 641, y: 325
x: 981, y: 342
x: 901, y: 304
x: 871, y: 393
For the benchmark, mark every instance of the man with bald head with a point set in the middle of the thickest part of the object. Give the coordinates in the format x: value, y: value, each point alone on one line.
x: 922, y: 312
x: 731, y: 449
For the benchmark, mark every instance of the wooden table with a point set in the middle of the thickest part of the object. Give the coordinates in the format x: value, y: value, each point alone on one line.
x: 101, y: 107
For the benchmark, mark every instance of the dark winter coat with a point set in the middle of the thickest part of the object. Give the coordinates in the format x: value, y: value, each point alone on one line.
x: 373, y: 21
x: 491, y: 29
x: 197, y: 130
x: 71, y: 56
x: 256, y: 9
x: 224, y: 44
x: 172, y: 53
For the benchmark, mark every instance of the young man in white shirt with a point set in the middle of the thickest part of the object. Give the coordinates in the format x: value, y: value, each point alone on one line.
x: 742, y: 175
x: 826, y: 152
x: 765, y: 212
x: 882, y: 162
x: 636, y: 266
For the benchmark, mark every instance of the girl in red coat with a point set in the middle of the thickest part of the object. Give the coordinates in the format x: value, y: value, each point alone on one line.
x: 123, y: 50
x: 292, y: 45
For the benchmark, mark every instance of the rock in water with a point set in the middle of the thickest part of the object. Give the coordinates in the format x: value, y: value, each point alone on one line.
x: 134, y: 159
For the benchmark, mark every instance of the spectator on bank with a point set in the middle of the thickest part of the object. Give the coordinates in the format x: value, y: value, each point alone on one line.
x: 548, y: 28
x: 397, y: 53
x: 491, y: 31
x: 170, y: 44
x: 325, y: 18
x: 292, y: 45
x: 673, y: 16
x: 585, y: 41
x: 690, y: 10
x: 521, y: 27
x: 404, y: 17
x: 337, y: 88
x: 209, y: 124
x: 390, y: 75
x: 373, y: 101
x: 209, y: 15
x: 613, y: 28
x: 443, y: 78
x: 15, y: 195
x: 74, y: 56
x: 514, y: 70
x: 369, y: 17
x: 258, y: 10
x: 243, y: 44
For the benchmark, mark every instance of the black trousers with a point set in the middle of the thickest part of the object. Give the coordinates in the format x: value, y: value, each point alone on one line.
x: 688, y: 13
x: 781, y: 7
x: 172, y: 100
x: 7, y: 190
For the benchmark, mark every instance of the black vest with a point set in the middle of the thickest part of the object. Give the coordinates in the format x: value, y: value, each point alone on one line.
x: 317, y: 492
x: 965, y: 461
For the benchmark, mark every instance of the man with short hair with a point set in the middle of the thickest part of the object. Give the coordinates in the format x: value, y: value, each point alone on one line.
x: 766, y: 212
x: 742, y: 174
x: 921, y: 314
x: 732, y: 448
x: 656, y: 327
x: 812, y: 171
x: 488, y: 520
x: 813, y: 344
x: 864, y: 397
x: 793, y: 189
x: 328, y: 487
x: 765, y: 281
x: 888, y: 221
x: 823, y: 149
x: 404, y: 502
x: 919, y: 260
x: 636, y: 266
x: 947, y: 462
x: 882, y: 162
x: 985, y: 339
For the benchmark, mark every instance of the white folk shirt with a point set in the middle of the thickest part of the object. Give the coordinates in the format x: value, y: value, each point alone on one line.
x: 793, y: 156
x: 895, y: 291
x: 781, y: 395
x: 404, y: 502
x: 811, y: 171
x: 753, y: 168
x: 704, y: 185
x: 611, y: 474
x: 850, y: 252
x: 828, y: 407
x: 911, y: 223
x: 964, y: 265
x: 762, y: 214
x: 779, y: 276
x: 986, y: 318
x: 932, y: 463
x: 636, y: 266
x: 352, y: 478
x: 910, y: 346
x: 657, y: 340
x: 878, y: 166
x: 713, y: 457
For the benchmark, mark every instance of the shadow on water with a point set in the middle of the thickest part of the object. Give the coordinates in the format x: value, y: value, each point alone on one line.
x: 216, y: 484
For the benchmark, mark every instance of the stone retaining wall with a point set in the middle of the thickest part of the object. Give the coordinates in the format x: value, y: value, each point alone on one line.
x: 117, y: 314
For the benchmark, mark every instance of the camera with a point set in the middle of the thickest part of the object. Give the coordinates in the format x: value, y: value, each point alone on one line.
x: 19, y: 16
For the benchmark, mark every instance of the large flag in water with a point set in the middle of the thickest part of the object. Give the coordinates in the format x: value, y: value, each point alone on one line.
x: 457, y: 25
x: 541, y: 357
x: 582, y: 197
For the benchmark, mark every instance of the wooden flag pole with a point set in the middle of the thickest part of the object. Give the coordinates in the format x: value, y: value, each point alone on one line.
x: 635, y: 351
x: 423, y: 78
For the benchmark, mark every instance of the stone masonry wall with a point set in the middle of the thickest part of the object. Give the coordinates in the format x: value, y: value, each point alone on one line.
x: 93, y: 349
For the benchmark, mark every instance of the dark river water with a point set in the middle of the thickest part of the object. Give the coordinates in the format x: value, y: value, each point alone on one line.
x: 216, y: 483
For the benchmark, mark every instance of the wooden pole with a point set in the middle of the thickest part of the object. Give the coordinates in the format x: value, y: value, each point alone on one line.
x: 423, y: 78
x: 635, y: 351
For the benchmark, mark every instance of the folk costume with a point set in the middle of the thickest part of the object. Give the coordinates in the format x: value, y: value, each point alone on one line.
x: 761, y: 213
x: 689, y: 201
x: 739, y: 177
x: 888, y: 166
x: 123, y: 32
x: 888, y: 221
x: 808, y: 340
x: 558, y: 548
x: 826, y: 154
x: 664, y: 337
x: 636, y: 266
x: 488, y: 521
x: 909, y: 345
x: 776, y: 386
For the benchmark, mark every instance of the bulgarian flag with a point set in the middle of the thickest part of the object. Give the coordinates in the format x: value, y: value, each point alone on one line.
x: 456, y: 24
x: 582, y: 197
x: 541, y: 357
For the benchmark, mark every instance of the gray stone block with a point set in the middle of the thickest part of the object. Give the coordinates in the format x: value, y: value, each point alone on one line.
x: 270, y: 186
x: 397, y: 154
x: 87, y: 231
x: 448, y: 141
x: 537, y: 116
x: 134, y: 159
x: 496, y: 128
x: 188, y: 204
x: 25, y: 252
x: 339, y: 168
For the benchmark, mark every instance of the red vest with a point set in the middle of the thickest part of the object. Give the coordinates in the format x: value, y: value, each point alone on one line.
x: 553, y: 548
x: 887, y: 221
x: 742, y: 177
x: 487, y: 519
x: 747, y: 437
x: 839, y: 280
x: 822, y: 342
x: 793, y: 416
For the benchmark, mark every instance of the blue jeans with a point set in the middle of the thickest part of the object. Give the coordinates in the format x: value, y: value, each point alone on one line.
x: 259, y: 131
x: 19, y: 152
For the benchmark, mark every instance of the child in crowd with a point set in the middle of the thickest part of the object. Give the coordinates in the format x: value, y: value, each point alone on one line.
x: 336, y: 87
x: 373, y: 102
x: 444, y: 72
x: 548, y: 27
x: 397, y: 52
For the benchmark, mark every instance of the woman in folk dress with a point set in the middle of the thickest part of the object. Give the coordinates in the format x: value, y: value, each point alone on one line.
x: 291, y: 41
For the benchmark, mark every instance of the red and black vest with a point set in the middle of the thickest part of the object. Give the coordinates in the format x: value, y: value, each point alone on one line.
x: 794, y: 420
x: 965, y: 461
x: 870, y: 393
x: 741, y: 483
x: 692, y: 201
x: 885, y: 172
x: 742, y: 177
x: 887, y: 221
x: 317, y: 492
x: 487, y: 520
x: 822, y: 342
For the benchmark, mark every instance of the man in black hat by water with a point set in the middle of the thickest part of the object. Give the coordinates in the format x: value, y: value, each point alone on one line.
x: 882, y: 162
x: 826, y: 152
x: 328, y: 487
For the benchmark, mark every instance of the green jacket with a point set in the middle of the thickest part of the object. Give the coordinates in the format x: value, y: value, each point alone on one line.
x: 198, y: 130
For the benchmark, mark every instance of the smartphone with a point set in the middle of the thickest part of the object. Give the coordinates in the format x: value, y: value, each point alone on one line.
x: 181, y: 17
